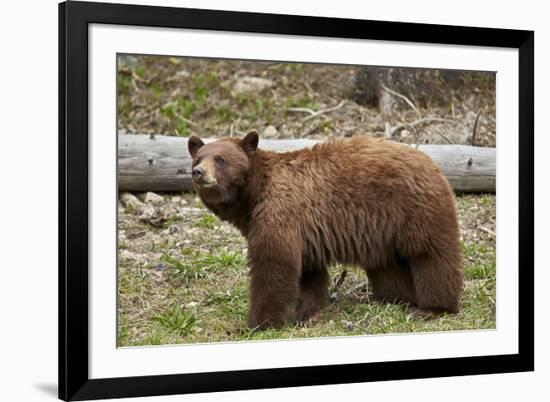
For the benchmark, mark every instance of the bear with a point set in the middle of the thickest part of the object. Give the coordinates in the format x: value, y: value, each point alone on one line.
x: 373, y: 203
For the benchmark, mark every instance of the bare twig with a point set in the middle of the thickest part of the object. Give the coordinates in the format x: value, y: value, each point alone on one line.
x: 443, y: 136
x: 431, y: 120
x: 313, y: 114
x: 415, y: 134
x: 310, y: 130
x: 136, y: 88
x: 301, y: 109
x: 487, y: 230
x: 327, y: 110
x: 191, y: 123
x: 143, y: 80
x: 341, y: 279
x: 137, y: 77
x: 418, y: 122
x: 388, y: 132
x: 474, y: 128
x: 359, y: 288
x: 407, y: 100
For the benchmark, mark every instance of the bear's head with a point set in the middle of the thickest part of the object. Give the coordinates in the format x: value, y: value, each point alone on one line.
x: 220, y: 168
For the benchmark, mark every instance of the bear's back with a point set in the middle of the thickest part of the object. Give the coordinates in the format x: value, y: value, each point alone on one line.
x: 358, y: 169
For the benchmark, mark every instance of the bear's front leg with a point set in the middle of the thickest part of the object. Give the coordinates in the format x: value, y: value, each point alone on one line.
x: 313, y: 295
x: 274, y: 287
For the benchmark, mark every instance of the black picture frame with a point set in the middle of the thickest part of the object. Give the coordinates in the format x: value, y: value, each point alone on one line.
x: 74, y: 381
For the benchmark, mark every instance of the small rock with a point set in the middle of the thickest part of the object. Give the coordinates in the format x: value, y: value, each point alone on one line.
x: 405, y: 133
x: 271, y: 132
x: 251, y: 85
x: 170, y: 210
x: 192, y: 304
x: 141, y: 196
x: 176, y: 199
x: 131, y: 202
x: 173, y: 229
x: 153, y: 216
x: 333, y: 297
x: 153, y: 198
x: 148, y: 213
x: 134, y: 233
x: 160, y: 267
x: 350, y: 326
x: 182, y: 74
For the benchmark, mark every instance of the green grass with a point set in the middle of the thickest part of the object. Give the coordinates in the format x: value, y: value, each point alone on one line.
x: 225, y: 114
x: 184, y: 270
x: 207, y: 221
x: 124, y: 83
x: 207, y: 278
x: 179, y: 112
x: 195, y: 266
x: 303, y: 101
x: 177, y: 320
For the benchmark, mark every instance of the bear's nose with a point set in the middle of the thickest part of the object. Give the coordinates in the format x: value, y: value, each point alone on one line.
x: 198, y: 172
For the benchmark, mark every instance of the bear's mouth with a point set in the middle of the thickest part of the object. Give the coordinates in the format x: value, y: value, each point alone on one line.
x: 205, y: 183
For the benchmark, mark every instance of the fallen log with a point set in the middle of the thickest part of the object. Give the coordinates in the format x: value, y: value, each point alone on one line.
x: 162, y: 163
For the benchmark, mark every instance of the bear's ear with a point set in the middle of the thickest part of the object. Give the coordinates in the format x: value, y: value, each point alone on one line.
x: 250, y: 142
x: 193, y: 144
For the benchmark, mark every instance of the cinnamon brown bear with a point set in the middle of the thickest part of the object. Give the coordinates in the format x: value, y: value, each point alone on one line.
x: 383, y: 206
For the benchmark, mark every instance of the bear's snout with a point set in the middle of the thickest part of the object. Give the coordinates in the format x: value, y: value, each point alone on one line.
x: 198, y: 173
x: 203, y: 176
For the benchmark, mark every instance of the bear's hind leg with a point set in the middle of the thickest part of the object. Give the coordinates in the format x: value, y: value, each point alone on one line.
x: 392, y: 284
x: 313, y: 295
x: 438, y: 281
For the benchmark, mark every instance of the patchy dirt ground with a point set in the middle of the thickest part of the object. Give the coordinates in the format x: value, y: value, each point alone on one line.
x: 211, y: 98
x: 182, y: 273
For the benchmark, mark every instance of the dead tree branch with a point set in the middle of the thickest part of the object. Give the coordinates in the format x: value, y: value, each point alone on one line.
x: 327, y: 110
x: 403, y: 97
x: 418, y: 122
x: 301, y: 110
x: 443, y: 136
x: 474, y: 128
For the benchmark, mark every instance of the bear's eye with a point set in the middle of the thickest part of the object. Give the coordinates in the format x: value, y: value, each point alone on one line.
x: 219, y: 161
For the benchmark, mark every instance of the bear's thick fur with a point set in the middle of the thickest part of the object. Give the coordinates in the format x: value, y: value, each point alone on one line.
x: 380, y: 205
